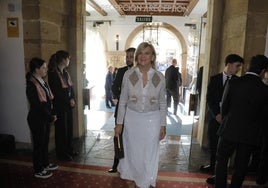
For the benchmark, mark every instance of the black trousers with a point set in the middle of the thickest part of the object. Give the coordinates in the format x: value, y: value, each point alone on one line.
x: 64, y: 132
x: 263, y: 163
x: 175, y: 95
x: 213, y: 127
x: 116, y: 162
x: 40, y: 138
x: 225, y: 150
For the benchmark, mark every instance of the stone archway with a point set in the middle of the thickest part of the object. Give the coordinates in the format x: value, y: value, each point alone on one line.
x: 180, y: 38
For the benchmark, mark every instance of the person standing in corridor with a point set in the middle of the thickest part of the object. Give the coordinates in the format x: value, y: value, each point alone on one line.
x: 116, y: 89
x: 244, y: 114
x: 40, y: 115
x: 172, y: 79
x: 108, y: 88
x: 142, y: 109
x: 233, y: 63
x: 62, y: 87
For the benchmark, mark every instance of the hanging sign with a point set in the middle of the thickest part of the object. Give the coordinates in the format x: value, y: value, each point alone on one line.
x: 144, y: 19
x: 12, y: 27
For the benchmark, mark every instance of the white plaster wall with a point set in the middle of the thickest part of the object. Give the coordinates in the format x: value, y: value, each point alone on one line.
x: 13, y: 100
x: 124, y: 26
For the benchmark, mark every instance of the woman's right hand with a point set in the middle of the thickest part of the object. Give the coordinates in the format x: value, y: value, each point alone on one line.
x: 118, y: 130
x: 72, y: 103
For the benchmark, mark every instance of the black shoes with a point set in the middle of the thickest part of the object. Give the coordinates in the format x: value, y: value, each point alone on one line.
x: 50, y: 167
x: 108, y: 106
x: 211, y: 180
x: 44, y: 174
x: 207, y: 168
x: 112, y: 170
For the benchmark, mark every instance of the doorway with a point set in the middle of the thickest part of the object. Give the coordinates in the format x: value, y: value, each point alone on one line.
x: 167, y: 46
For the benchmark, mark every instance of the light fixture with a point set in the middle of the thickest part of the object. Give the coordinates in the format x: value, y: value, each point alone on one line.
x: 151, y: 32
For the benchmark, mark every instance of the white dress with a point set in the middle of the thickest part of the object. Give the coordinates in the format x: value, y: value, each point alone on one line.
x: 141, y: 146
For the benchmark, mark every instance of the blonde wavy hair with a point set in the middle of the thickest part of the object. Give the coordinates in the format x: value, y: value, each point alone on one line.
x: 141, y: 47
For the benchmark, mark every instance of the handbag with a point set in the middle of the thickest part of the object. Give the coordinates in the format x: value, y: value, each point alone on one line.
x: 118, y: 147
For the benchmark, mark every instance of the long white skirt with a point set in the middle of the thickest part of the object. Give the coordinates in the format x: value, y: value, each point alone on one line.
x: 141, y: 148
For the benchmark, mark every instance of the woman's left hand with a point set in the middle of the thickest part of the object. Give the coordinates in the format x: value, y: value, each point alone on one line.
x: 118, y: 130
x: 162, y: 132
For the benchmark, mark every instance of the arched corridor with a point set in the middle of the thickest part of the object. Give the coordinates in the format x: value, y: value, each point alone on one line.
x: 96, y: 33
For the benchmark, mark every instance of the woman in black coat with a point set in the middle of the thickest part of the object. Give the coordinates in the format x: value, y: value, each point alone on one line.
x: 62, y: 88
x: 40, y: 115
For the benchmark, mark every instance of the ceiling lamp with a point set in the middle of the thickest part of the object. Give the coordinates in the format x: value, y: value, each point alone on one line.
x: 151, y: 32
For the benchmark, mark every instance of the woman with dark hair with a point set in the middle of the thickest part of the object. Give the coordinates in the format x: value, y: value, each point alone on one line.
x: 61, y: 85
x: 40, y: 115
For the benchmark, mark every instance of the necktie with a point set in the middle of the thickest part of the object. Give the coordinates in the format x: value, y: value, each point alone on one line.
x: 227, y: 79
x: 224, y: 90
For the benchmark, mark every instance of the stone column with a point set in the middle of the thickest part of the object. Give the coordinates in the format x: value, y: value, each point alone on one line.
x: 213, y: 35
x: 76, y: 34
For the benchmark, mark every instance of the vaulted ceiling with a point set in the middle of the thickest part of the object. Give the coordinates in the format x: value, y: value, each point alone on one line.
x: 144, y: 7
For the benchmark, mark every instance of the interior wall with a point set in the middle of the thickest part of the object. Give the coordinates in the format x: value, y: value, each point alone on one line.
x: 13, y: 100
x: 125, y: 26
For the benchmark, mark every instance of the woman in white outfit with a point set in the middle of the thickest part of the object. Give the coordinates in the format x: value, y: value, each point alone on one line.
x: 142, y: 109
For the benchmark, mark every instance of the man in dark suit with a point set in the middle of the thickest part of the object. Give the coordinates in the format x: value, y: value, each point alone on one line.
x: 116, y: 89
x: 233, y: 63
x: 171, y: 75
x: 179, y: 83
x: 244, y: 114
x: 261, y: 156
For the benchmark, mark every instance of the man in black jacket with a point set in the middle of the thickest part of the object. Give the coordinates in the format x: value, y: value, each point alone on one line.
x: 172, y: 79
x: 244, y: 117
x: 233, y: 63
x: 116, y: 89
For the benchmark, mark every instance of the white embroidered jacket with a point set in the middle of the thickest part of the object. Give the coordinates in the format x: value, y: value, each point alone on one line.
x: 137, y: 98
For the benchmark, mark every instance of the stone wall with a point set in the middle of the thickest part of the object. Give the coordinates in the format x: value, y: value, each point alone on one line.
x: 52, y: 25
x: 256, y: 28
x: 233, y: 29
x: 45, y: 26
x: 244, y: 29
